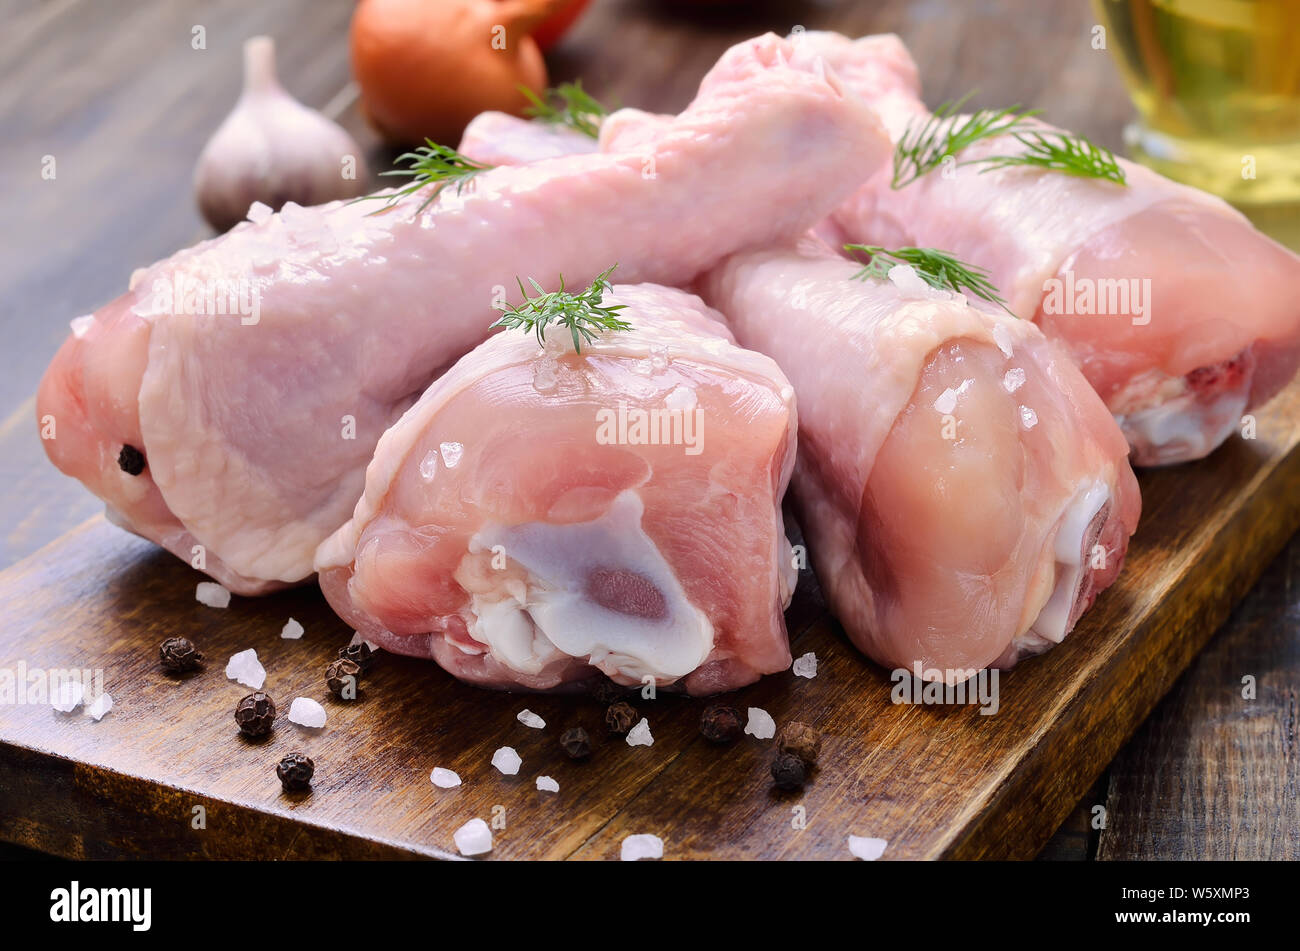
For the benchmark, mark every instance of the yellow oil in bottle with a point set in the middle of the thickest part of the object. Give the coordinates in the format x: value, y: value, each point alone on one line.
x: 1217, y: 88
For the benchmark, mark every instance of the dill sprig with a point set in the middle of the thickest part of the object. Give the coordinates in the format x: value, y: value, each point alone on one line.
x: 577, y: 109
x: 582, y: 313
x: 937, y: 268
x: 1059, y: 152
x: 430, y: 165
x: 946, y: 133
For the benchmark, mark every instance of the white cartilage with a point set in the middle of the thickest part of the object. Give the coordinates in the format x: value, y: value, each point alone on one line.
x: 1053, y: 621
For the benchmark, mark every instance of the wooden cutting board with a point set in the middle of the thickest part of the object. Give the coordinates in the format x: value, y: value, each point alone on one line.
x: 933, y: 781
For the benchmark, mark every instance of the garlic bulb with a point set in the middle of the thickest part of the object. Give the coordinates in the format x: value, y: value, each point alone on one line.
x: 273, y: 149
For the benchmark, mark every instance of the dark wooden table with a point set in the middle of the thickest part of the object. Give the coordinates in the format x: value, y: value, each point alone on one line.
x: 116, y: 93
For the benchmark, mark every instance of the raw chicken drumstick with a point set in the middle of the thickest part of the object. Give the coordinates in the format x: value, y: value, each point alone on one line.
x: 542, y: 515
x: 243, y: 440
x: 963, y: 492
x: 1211, y: 327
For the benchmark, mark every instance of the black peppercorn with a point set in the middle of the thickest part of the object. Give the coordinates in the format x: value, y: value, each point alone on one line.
x: 607, y: 692
x: 295, y: 771
x: 255, y: 714
x: 342, y: 677
x: 179, y: 655
x: 576, y: 743
x: 620, y: 717
x: 130, y: 460
x: 788, y: 771
x: 720, y: 723
x: 360, y: 654
x: 801, y: 740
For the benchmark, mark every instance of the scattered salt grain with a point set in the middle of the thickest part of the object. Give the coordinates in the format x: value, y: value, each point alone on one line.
x: 638, y: 847
x: 308, y: 713
x: 806, y: 666
x: 358, y: 639
x: 99, y: 707
x: 947, y: 401
x: 69, y: 696
x: 546, y: 784
x: 473, y: 838
x: 451, y: 453
x: 1013, y: 380
x: 444, y: 778
x: 639, y: 735
x: 911, y: 285
x: 295, y: 215
x: 1002, y: 337
x: 528, y: 718
x: 1028, y: 417
x: 507, y: 760
x: 761, y: 726
x: 866, y: 849
x: 429, y: 465
x: 211, y: 594
x: 80, y: 325
x: 292, y: 631
x: 258, y: 212
x: 246, y: 669
x: 544, y: 379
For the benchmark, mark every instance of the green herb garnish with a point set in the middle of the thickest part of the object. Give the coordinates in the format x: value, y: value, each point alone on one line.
x: 582, y: 313
x: 1059, y: 152
x: 576, y: 109
x: 937, y: 268
x: 430, y: 164
x: 946, y: 133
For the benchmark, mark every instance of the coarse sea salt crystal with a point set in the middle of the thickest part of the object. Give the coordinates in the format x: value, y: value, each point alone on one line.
x: 507, y: 760
x: 358, y: 639
x: 639, y: 735
x: 307, y: 712
x: 212, y: 594
x: 1013, y: 380
x: 245, y: 668
x: 451, y: 453
x: 99, y: 707
x: 761, y: 726
x: 865, y: 848
x: 546, y: 784
x: 544, y: 376
x: 69, y: 696
x: 1002, y: 337
x: 80, y: 325
x: 528, y: 718
x: 292, y: 630
x: 473, y: 838
x: 911, y: 285
x: 259, y: 212
x: 444, y: 778
x: 806, y: 666
x: 429, y: 465
x: 947, y: 401
x: 638, y: 847
x: 1028, y: 417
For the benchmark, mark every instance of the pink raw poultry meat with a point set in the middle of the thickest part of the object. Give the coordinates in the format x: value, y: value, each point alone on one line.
x: 963, y: 492
x: 508, y: 533
x: 1218, y: 331
x: 255, y: 436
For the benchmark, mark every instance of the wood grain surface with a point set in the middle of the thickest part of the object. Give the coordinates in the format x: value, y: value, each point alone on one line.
x: 117, y: 94
x: 933, y: 781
